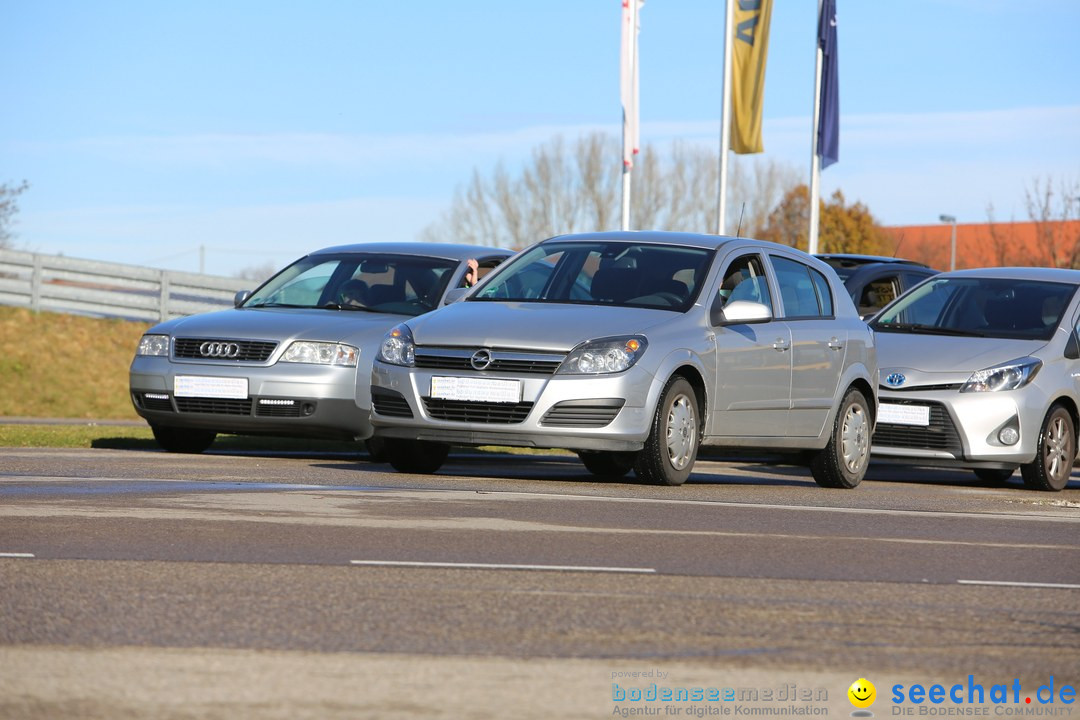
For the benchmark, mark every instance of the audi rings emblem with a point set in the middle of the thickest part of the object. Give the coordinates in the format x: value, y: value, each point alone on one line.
x: 219, y: 349
x: 480, y: 359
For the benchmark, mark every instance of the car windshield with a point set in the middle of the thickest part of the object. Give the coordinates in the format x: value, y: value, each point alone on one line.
x: 979, y: 307
x: 382, y: 283
x: 626, y: 274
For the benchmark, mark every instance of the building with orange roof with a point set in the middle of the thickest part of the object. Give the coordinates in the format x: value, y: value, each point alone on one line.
x: 1039, y: 244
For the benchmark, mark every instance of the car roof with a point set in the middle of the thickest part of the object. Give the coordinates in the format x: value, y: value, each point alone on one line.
x: 450, y: 251
x: 854, y: 260
x: 698, y: 240
x: 1020, y: 273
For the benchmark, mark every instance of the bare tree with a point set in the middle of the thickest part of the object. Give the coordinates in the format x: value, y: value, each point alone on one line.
x: 257, y: 273
x: 9, y: 206
x: 574, y: 187
x: 1057, y: 239
x: 1002, y: 240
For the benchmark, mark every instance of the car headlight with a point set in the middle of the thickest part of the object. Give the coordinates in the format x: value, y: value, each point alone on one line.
x: 606, y: 355
x: 321, y: 353
x: 398, y: 347
x: 153, y: 345
x: 1007, y: 376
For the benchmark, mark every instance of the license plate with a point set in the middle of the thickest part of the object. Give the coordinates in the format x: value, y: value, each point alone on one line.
x: 210, y: 387
x: 476, y: 389
x: 904, y: 414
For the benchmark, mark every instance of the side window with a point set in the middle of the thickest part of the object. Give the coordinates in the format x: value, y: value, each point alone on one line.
x: 876, y: 294
x: 483, y: 267
x: 744, y: 279
x: 797, y: 289
x: 824, y: 292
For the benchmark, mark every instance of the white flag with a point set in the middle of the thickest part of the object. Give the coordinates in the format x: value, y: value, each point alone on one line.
x: 628, y: 79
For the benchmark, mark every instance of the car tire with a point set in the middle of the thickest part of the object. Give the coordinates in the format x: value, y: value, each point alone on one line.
x: 843, y: 461
x: 671, y: 448
x: 608, y: 464
x: 376, y: 448
x: 183, y: 440
x: 1056, y: 452
x: 993, y: 475
x: 416, y: 456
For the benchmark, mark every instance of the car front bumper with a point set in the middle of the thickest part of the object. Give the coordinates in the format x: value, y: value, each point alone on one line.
x: 963, y: 429
x: 575, y: 412
x: 288, y: 399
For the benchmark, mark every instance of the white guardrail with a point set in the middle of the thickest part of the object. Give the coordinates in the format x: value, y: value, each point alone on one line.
x: 57, y: 283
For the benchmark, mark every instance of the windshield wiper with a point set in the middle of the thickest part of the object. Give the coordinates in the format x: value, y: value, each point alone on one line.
x: 351, y: 308
x: 927, y: 329
x: 276, y: 304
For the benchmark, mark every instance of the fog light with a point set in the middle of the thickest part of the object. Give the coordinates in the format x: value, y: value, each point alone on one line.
x: 1009, y: 436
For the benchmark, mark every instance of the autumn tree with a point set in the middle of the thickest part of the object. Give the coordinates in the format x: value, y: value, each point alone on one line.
x: 842, y: 228
x: 9, y: 196
x: 575, y: 187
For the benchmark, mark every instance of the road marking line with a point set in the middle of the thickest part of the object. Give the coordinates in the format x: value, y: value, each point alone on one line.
x: 501, y: 566
x: 1059, y: 586
x: 16, y: 555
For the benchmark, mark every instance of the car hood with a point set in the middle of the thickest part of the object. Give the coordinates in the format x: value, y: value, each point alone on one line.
x: 536, y: 326
x: 278, y: 324
x: 926, y: 359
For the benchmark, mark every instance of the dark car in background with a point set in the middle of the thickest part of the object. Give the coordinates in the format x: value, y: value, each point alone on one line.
x: 286, y: 360
x: 874, y: 281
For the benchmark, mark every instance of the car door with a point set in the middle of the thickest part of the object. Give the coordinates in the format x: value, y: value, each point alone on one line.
x: 753, y: 360
x: 818, y: 344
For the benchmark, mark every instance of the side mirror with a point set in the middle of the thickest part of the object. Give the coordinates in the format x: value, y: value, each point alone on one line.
x: 240, y: 297
x: 742, y: 312
x: 455, y: 295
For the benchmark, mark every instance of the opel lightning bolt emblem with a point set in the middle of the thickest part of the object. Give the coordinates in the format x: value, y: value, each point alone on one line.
x: 480, y: 359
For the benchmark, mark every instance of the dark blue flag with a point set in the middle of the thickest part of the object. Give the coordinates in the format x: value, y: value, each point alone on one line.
x: 828, y: 139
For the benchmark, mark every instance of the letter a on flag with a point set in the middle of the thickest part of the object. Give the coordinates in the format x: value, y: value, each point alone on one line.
x: 750, y: 39
x: 828, y: 139
x: 628, y: 77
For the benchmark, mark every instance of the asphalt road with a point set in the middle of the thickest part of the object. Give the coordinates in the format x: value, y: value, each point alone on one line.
x: 143, y: 584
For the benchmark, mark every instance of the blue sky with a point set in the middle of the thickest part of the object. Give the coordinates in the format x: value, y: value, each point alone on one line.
x: 261, y: 130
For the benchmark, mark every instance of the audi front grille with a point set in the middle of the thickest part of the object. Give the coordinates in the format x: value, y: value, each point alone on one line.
x: 222, y: 350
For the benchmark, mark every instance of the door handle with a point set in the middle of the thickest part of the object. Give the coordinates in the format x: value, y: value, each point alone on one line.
x: 781, y: 345
x: 836, y: 343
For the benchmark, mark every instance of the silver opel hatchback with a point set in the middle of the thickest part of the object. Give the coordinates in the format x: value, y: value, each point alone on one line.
x: 287, y: 359
x: 981, y: 369
x: 634, y: 349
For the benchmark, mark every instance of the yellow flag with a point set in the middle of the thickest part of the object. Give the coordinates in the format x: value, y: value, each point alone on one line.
x: 750, y: 41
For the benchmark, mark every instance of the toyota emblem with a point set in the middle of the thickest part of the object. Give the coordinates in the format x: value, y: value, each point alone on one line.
x: 480, y: 359
x: 219, y: 349
x: 895, y: 379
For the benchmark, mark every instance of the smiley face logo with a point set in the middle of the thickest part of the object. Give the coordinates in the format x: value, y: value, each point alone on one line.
x: 862, y: 693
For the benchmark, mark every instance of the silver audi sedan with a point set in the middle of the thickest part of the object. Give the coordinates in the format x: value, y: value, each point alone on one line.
x: 634, y: 349
x: 981, y: 369
x: 287, y: 359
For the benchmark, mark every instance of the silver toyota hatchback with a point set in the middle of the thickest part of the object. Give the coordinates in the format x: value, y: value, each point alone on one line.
x: 981, y: 369
x: 286, y: 361
x: 634, y: 349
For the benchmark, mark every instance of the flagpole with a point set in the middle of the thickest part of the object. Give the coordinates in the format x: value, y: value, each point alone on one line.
x: 627, y: 127
x: 725, y: 119
x: 815, y: 159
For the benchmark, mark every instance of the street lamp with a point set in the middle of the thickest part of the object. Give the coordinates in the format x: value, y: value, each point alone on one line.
x: 951, y: 219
